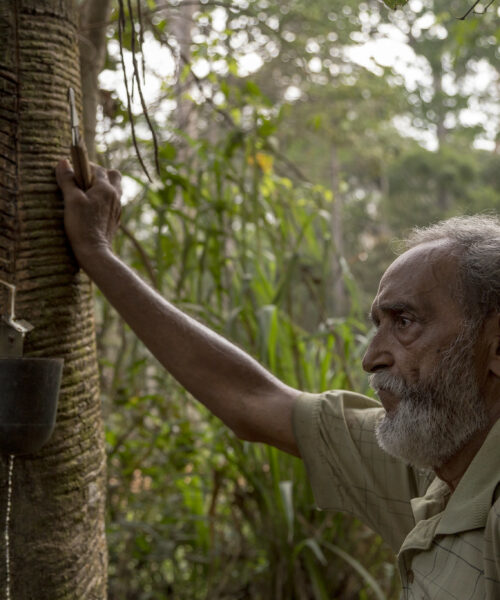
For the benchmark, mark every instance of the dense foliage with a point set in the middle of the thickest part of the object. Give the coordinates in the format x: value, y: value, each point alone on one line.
x: 270, y: 218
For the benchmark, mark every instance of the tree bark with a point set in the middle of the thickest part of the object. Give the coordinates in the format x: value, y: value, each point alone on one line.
x: 58, y: 549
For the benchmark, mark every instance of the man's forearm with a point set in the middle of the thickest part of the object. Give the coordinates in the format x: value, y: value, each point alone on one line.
x: 256, y: 405
x: 229, y: 382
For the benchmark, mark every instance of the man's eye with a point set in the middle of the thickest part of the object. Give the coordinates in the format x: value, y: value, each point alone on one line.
x: 403, y: 322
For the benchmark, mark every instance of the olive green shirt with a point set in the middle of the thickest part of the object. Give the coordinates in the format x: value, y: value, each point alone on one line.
x: 448, y: 545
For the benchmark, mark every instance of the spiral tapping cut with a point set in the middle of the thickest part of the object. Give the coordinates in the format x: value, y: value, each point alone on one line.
x: 7, y: 527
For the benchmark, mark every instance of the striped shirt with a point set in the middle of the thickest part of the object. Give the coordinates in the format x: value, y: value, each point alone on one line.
x: 447, y: 545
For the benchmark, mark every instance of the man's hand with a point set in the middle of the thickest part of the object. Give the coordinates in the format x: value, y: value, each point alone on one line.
x: 91, y: 218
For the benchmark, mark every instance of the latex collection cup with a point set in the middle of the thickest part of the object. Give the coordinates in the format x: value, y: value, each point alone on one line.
x: 29, y: 390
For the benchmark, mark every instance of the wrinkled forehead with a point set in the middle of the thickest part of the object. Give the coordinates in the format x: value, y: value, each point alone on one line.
x: 427, y: 273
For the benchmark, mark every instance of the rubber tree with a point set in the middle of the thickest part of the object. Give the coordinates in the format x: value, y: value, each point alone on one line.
x: 57, y: 538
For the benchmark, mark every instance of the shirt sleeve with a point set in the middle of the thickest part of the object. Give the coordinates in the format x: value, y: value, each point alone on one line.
x: 492, y: 551
x: 348, y: 471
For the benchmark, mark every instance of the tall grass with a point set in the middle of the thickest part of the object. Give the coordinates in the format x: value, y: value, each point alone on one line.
x: 194, y: 513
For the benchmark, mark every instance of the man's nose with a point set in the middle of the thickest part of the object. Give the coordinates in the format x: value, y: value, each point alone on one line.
x: 377, y: 355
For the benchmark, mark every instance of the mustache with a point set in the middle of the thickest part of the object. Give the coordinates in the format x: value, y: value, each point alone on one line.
x: 385, y: 381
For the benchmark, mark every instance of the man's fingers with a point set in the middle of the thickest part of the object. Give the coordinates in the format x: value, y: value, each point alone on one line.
x: 115, y: 179
x: 98, y: 172
x: 65, y: 176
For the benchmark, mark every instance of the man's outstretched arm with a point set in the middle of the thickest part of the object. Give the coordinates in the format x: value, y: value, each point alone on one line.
x: 253, y: 403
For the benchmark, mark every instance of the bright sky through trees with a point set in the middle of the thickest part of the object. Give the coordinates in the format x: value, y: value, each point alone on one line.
x: 390, y: 49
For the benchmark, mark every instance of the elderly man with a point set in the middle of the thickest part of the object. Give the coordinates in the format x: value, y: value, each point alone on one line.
x: 423, y: 469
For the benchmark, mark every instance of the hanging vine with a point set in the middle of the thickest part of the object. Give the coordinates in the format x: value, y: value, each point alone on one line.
x: 136, y: 79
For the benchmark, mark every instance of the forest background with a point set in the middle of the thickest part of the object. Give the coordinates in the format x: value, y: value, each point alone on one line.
x: 281, y: 162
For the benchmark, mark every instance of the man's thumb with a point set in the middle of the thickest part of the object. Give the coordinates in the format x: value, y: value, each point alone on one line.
x: 65, y: 175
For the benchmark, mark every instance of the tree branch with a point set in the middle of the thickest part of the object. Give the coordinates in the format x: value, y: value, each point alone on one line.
x: 471, y: 9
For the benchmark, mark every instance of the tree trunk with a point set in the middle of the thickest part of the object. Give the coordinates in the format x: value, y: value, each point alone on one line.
x: 57, y: 542
x: 443, y: 196
x: 181, y: 25
x: 94, y: 16
x: 339, y: 294
x: 441, y: 131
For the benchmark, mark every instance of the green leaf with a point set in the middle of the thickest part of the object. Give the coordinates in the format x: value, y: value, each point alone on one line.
x: 286, y: 489
x: 252, y: 89
x: 357, y: 566
x: 313, y: 545
x: 168, y: 151
x: 394, y: 4
x: 266, y: 128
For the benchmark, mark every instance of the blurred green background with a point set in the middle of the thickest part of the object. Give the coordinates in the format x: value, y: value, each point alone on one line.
x: 293, y: 142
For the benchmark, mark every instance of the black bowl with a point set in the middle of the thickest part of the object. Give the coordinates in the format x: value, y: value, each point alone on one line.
x: 29, y: 389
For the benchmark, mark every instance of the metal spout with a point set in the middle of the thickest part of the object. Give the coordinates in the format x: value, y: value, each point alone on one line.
x: 12, y: 330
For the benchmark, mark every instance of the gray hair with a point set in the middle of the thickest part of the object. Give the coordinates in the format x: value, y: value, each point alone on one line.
x: 476, y: 244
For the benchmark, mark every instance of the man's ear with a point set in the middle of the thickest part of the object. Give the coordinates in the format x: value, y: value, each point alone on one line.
x: 494, y: 332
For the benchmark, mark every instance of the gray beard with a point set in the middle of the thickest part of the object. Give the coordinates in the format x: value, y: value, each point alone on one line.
x: 435, y: 417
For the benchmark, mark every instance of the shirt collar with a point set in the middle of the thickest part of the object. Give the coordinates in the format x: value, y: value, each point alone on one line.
x: 470, y: 503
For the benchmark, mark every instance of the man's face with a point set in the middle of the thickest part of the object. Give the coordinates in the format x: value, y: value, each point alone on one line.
x: 422, y: 360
